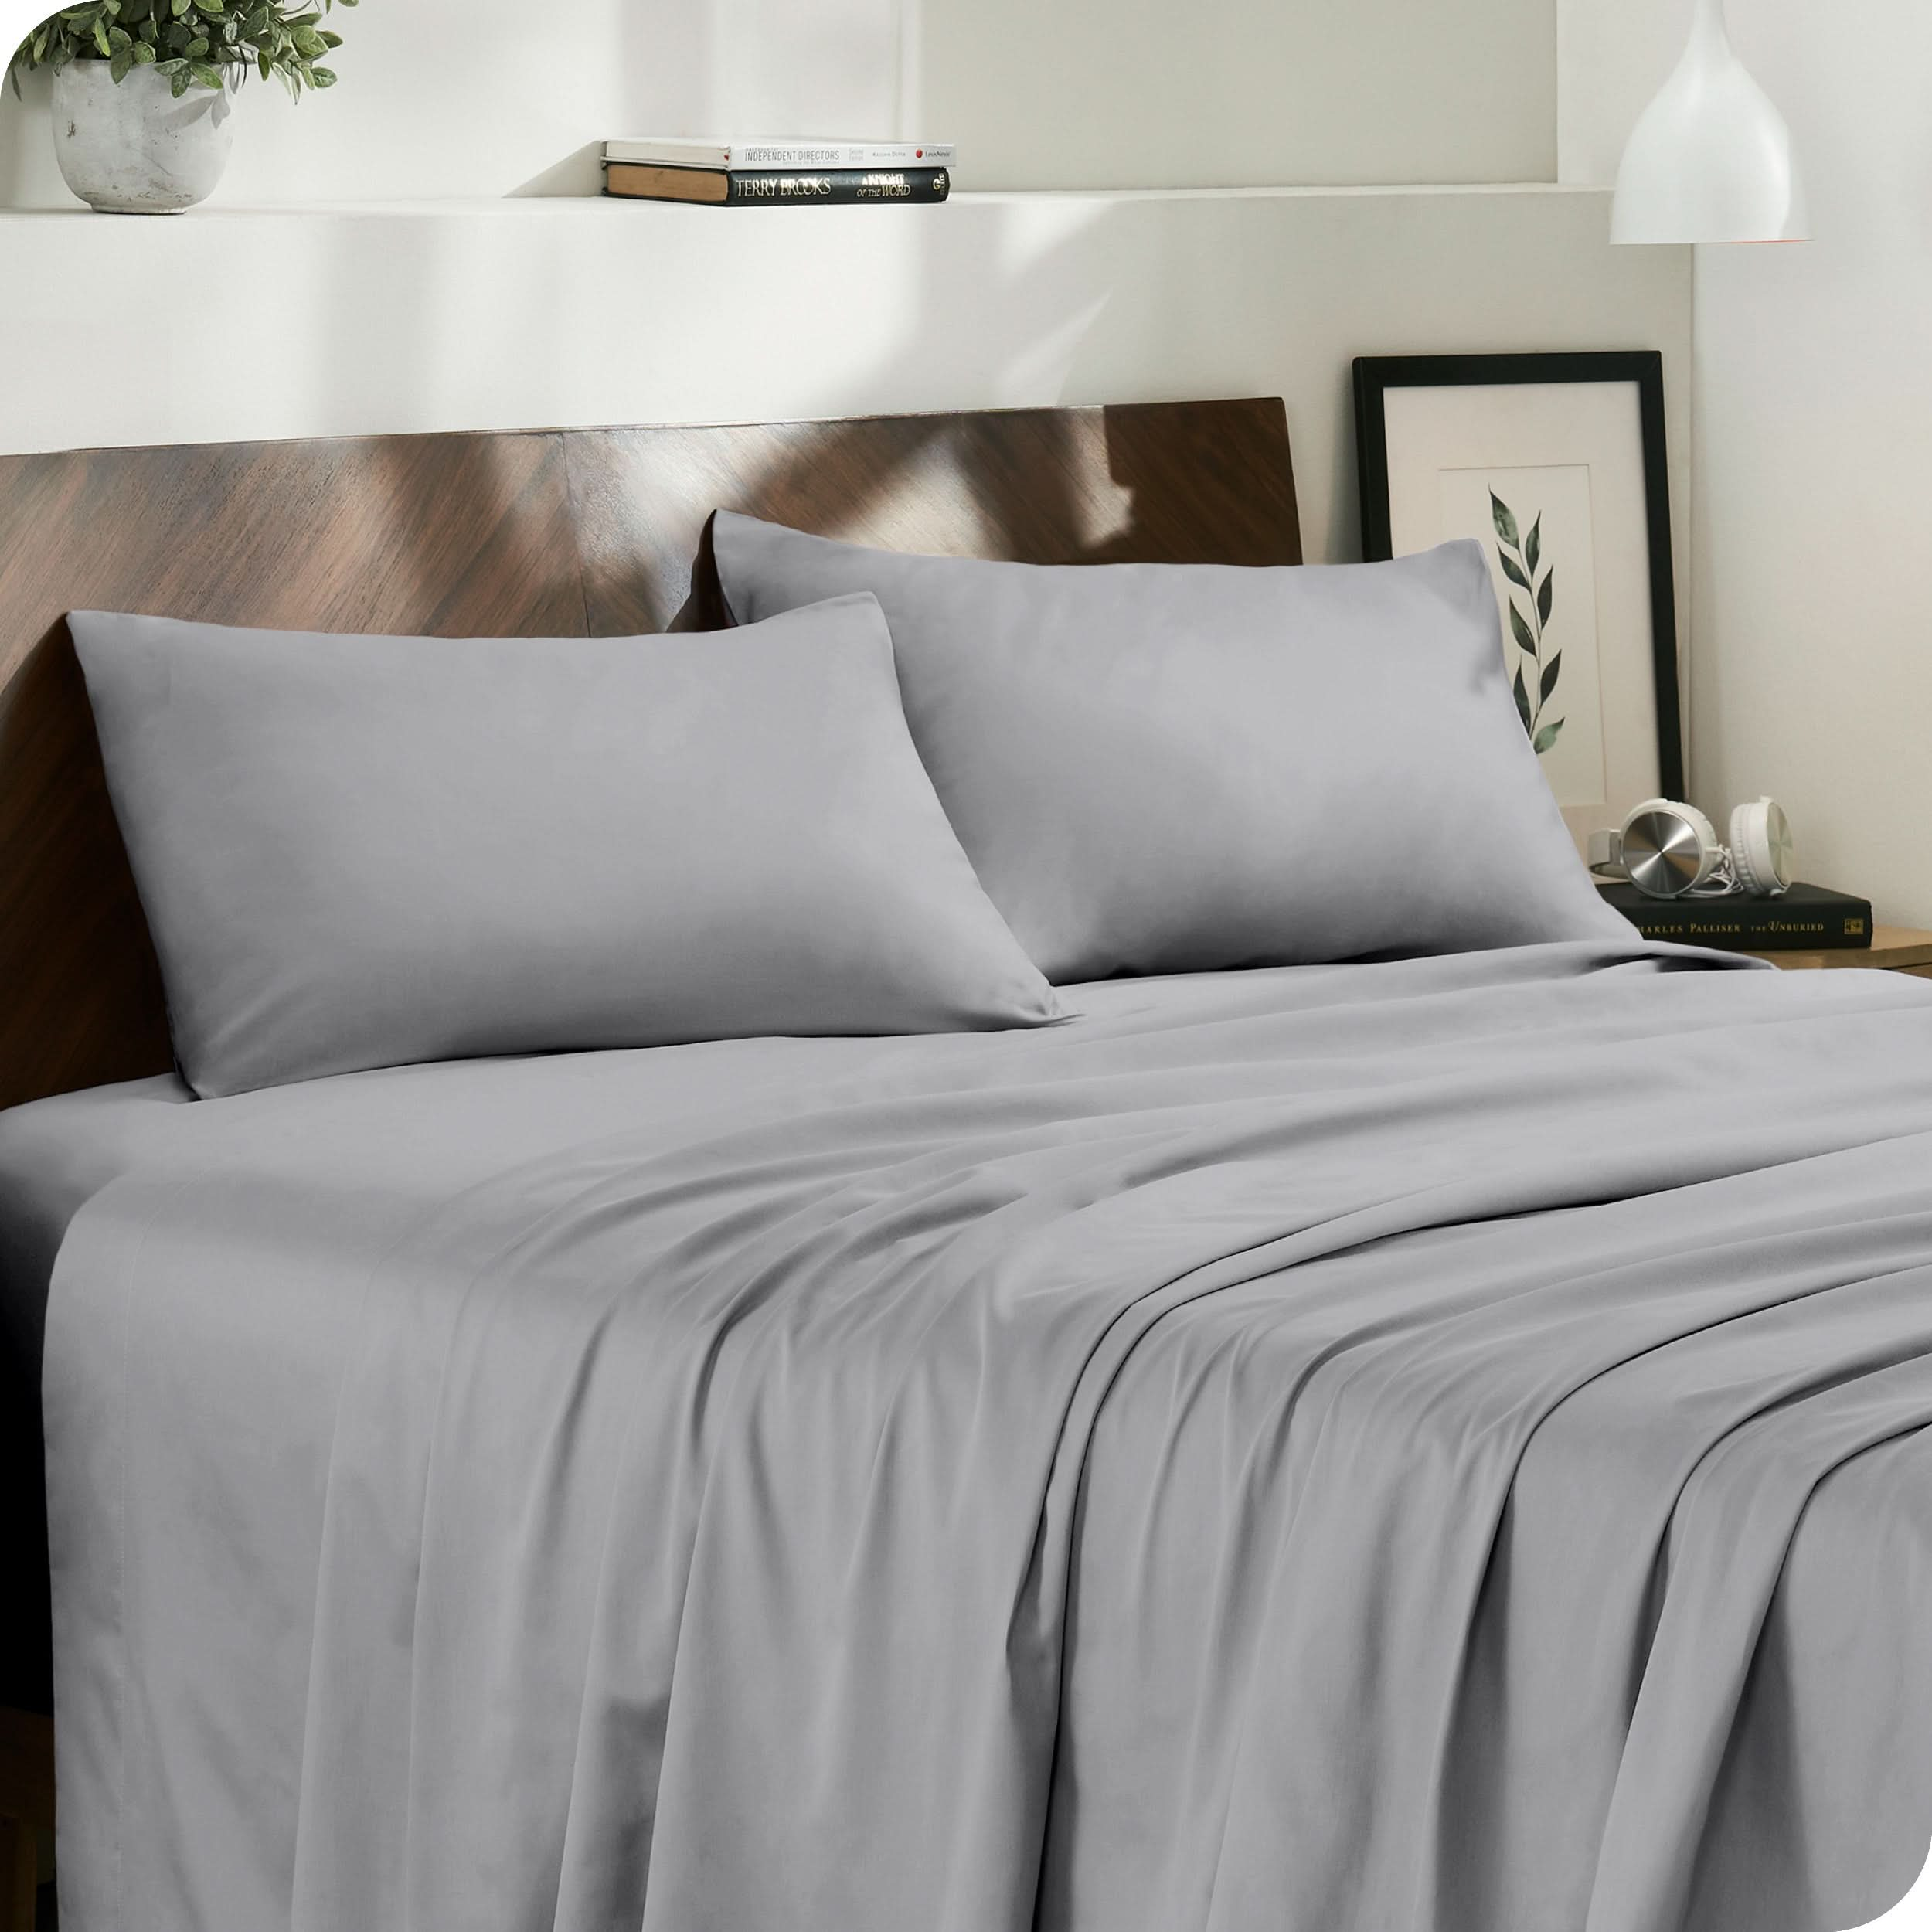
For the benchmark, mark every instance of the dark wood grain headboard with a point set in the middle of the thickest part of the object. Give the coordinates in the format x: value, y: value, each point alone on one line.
x: 551, y: 533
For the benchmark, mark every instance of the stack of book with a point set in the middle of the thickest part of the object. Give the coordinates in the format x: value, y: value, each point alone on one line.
x: 769, y: 173
x: 1807, y: 918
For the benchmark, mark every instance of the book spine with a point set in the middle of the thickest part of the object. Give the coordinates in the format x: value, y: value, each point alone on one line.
x: 837, y: 186
x: 768, y: 154
x: 1761, y: 930
x: 779, y: 189
x: 897, y: 154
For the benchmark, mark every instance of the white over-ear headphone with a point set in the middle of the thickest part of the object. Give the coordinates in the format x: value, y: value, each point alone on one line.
x: 1671, y: 851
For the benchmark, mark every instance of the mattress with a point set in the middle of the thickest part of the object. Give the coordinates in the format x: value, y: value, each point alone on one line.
x: 1440, y: 1444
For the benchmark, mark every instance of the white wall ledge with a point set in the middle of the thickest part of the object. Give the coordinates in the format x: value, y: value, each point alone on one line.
x: 538, y: 206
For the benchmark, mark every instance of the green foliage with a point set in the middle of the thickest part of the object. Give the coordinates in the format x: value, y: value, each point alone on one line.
x: 1522, y: 560
x: 195, y: 43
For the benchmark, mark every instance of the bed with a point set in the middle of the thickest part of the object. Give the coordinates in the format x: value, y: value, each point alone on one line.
x: 1435, y: 1442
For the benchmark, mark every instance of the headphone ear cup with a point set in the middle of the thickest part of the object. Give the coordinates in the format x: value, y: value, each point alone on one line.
x: 1669, y: 849
x: 1747, y: 840
x: 1710, y: 853
x: 1761, y: 839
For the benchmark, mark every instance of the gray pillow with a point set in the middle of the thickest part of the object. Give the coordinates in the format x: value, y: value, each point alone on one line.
x: 1171, y: 768
x: 359, y: 852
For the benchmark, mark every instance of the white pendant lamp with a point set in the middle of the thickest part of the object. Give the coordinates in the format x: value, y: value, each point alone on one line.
x: 1711, y: 160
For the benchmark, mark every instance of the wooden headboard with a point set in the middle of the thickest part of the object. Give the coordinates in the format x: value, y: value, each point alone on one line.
x: 551, y: 533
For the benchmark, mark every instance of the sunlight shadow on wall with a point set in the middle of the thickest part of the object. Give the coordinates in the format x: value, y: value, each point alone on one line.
x: 29, y: 177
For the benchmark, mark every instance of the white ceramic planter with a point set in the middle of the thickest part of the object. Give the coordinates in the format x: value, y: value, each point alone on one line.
x: 134, y: 149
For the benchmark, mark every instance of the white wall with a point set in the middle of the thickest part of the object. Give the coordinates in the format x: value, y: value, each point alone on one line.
x: 1812, y: 559
x: 1612, y: 55
x: 461, y: 96
x: 518, y: 313
x: 1148, y: 93
x: 420, y: 314
x: 409, y: 313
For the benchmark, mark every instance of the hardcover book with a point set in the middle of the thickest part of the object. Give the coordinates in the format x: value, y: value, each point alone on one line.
x: 1807, y: 919
x: 804, y: 152
x: 767, y: 188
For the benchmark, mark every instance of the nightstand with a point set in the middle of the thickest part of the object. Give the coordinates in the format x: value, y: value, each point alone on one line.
x: 1894, y: 949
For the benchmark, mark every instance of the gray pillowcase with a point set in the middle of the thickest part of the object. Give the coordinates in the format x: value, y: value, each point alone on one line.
x: 360, y: 851
x: 1171, y: 768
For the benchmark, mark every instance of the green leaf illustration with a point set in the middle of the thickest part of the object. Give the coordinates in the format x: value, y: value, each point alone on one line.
x: 1520, y: 625
x: 1551, y: 671
x: 1546, y: 737
x: 1522, y: 698
x: 1513, y: 571
x: 1533, y: 549
x: 1505, y: 522
x: 1547, y: 595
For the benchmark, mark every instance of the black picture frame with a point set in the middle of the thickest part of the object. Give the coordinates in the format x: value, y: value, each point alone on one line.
x: 1375, y: 376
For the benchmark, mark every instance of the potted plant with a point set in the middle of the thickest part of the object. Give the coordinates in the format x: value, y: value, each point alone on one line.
x: 142, y: 89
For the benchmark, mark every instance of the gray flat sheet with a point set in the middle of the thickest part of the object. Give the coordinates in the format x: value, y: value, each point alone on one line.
x: 1436, y: 1445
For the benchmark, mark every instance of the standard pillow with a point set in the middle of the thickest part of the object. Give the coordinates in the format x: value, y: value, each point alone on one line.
x: 1177, y: 767
x: 359, y: 851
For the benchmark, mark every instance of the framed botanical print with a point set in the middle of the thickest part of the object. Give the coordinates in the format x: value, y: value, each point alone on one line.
x: 1557, y: 466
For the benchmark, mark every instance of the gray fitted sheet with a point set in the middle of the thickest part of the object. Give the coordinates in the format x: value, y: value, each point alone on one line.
x: 1440, y: 1445
x: 408, y: 1133
x: 53, y: 1156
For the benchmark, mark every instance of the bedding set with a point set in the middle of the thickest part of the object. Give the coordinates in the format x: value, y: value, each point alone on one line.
x: 1133, y: 1310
